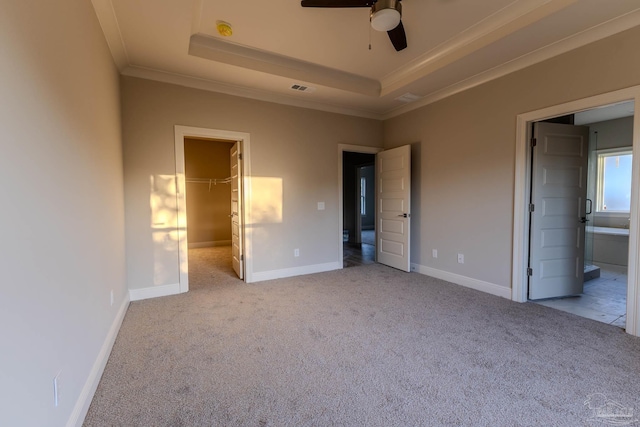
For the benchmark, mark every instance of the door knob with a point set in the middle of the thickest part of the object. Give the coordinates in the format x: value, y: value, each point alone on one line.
x: 404, y: 215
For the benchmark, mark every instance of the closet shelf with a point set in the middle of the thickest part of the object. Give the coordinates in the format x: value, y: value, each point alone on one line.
x: 210, y: 181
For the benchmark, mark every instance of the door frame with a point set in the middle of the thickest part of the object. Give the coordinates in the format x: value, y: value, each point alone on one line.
x: 182, y: 132
x: 353, y: 149
x: 522, y: 191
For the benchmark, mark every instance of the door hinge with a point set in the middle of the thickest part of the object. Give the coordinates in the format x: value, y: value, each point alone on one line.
x: 240, y: 156
x: 534, y: 142
x: 241, y: 257
x: 529, y: 271
x: 532, y: 207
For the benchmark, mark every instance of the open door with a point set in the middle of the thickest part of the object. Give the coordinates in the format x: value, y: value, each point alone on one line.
x: 558, y: 205
x: 393, y: 173
x: 237, y: 237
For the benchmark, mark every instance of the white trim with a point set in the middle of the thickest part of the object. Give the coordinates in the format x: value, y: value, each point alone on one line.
x: 295, y: 271
x: 467, y: 282
x: 154, y: 292
x: 448, y: 50
x: 575, y: 41
x: 222, y: 51
x: 600, y: 171
x: 243, y: 92
x: 353, y: 149
x: 111, y: 29
x: 209, y: 244
x: 81, y: 407
x: 521, y: 196
x: 182, y: 132
x: 570, y: 43
x: 497, y: 26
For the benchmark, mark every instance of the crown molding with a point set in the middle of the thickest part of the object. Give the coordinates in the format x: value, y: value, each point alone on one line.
x: 510, y: 19
x: 445, y: 52
x: 590, y: 35
x: 260, y: 95
x: 216, y: 49
x: 111, y: 29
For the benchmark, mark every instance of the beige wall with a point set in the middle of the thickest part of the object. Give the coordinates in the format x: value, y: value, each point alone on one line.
x: 612, y: 133
x: 464, y: 149
x: 62, y: 221
x: 292, y: 148
x: 208, y: 206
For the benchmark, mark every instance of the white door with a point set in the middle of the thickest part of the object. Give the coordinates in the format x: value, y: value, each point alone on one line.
x: 558, y: 197
x: 237, y: 237
x: 393, y: 174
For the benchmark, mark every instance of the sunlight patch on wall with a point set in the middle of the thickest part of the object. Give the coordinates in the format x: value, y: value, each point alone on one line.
x: 266, y: 200
x: 164, y: 228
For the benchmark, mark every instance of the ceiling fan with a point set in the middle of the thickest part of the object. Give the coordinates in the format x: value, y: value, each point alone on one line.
x: 385, y: 16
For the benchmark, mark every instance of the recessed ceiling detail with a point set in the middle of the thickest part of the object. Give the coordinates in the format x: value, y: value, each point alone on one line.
x: 218, y: 50
x: 408, y: 97
x: 454, y: 45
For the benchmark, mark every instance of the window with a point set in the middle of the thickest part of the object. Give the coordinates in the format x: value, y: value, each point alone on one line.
x: 363, y: 196
x: 614, y: 180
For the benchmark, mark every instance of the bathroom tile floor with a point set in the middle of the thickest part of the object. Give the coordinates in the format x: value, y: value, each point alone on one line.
x: 604, y: 299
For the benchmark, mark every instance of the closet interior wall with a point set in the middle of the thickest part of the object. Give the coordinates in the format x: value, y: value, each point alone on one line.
x: 207, y: 167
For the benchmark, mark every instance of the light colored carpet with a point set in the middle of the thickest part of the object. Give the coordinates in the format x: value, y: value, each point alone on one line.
x: 361, y: 346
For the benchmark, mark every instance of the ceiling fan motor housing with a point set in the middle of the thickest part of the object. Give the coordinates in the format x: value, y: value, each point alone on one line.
x: 385, y: 15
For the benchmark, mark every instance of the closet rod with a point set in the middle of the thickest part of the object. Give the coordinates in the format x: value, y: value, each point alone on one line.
x: 214, y: 181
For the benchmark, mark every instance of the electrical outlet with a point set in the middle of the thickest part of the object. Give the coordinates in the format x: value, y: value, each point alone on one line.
x: 56, y: 390
x: 460, y: 258
x: 434, y: 253
x: 296, y: 252
x: 112, y: 297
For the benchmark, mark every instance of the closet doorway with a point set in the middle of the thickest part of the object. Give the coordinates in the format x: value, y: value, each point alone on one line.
x: 208, y: 198
x: 211, y: 171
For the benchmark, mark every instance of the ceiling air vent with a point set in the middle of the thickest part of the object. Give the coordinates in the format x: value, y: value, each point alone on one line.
x: 302, y: 88
x: 408, y: 97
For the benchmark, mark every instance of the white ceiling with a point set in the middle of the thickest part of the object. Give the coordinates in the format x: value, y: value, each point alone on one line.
x: 452, y: 45
x: 607, y: 112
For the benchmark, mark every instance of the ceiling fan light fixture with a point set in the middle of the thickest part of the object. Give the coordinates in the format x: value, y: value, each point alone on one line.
x: 385, y: 15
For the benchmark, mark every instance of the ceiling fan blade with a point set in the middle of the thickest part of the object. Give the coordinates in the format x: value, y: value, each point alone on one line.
x: 336, y: 3
x: 398, y: 37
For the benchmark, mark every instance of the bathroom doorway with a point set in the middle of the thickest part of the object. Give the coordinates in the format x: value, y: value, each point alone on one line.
x: 599, y: 289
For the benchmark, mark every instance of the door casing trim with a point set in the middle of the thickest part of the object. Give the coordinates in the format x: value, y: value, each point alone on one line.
x: 522, y: 192
x: 182, y: 132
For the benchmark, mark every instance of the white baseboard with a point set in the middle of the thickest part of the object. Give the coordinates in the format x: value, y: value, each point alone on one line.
x: 86, y: 395
x: 211, y: 244
x: 295, y: 271
x: 154, y: 292
x: 468, y: 282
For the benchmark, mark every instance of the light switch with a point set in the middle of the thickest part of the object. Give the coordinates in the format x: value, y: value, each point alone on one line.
x: 320, y: 206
